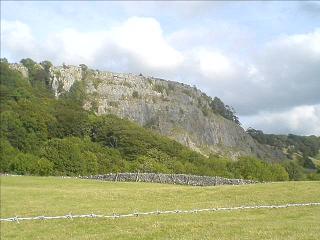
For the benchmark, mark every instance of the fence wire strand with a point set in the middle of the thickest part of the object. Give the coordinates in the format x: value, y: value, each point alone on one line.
x: 17, y: 219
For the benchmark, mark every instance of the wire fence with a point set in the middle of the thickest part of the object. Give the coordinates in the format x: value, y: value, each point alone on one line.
x: 137, y: 214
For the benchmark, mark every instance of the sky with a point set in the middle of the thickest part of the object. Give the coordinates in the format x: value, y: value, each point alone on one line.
x: 261, y: 58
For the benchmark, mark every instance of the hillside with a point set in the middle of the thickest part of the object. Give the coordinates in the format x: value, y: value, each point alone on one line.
x: 303, y: 149
x: 52, y: 196
x: 44, y: 135
x: 45, y: 132
x: 175, y: 110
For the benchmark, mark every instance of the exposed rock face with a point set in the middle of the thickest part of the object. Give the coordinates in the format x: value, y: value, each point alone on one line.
x: 63, y: 78
x: 19, y: 67
x: 174, y: 109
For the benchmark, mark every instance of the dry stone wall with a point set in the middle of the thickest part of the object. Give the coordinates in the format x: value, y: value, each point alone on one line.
x: 181, y: 179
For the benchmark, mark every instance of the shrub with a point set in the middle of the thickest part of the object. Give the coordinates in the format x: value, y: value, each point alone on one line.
x: 24, y: 163
x: 135, y: 94
x: 294, y: 170
x: 159, y: 88
x: 7, y: 154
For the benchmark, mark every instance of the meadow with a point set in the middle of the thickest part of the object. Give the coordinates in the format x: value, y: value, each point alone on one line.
x: 50, y: 196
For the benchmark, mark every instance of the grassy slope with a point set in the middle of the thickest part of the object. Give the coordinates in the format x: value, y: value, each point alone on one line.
x: 55, y: 196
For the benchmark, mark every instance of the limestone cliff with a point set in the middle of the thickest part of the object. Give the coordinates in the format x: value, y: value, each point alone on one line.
x: 173, y: 109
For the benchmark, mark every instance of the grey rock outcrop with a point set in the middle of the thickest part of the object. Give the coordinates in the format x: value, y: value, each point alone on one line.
x: 173, y: 109
x: 19, y: 67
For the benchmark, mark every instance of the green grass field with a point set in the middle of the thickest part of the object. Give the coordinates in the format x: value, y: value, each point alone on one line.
x: 34, y: 196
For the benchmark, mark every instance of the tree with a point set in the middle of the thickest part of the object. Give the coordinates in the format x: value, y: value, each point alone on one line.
x: 71, y: 119
x: 4, y: 60
x: 12, y: 129
x: 24, y: 163
x: 46, y: 67
x: 65, y: 154
x: 44, y: 167
x: 306, y: 162
x: 135, y: 94
x: 38, y: 76
x: 278, y: 173
x: 225, y: 111
x: 252, y: 168
x: 7, y: 154
x: 28, y: 63
x: 294, y: 170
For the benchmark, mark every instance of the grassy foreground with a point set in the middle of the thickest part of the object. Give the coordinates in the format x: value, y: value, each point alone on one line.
x: 34, y: 196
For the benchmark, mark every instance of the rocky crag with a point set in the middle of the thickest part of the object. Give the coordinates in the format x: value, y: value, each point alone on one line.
x: 176, y: 110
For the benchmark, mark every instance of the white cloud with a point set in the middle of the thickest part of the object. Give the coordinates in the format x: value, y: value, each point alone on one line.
x: 143, y: 38
x: 283, y: 74
x: 138, y: 42
x: 213, y: 64
x: 303, y: 120
x: 181, y: 10
x: 75, y: 47
x: 289, y: 71
x: 16, y: 37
